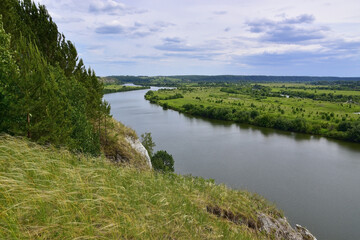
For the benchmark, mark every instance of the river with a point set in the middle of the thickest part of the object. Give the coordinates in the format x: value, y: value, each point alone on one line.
x: 314, y: 180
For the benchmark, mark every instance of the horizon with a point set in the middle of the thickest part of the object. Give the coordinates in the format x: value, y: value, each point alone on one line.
x: 138, y: 37
x: 237, y: 75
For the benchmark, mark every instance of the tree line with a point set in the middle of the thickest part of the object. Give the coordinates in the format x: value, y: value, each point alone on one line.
x: 46, y: 92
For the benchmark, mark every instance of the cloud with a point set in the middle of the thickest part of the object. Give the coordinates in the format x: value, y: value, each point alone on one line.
x: 288, y: 34
x: 342, y: 45
x: 162, y: 24
x: 176, y: 47
x: 175, y: 44
x: 304, y: 18
x: 173, y: 40
x: 198, y: 56
x: 95, y: 47
x: 284, y: 59
x: 275, y: 36
x: 69, y: 20
x: 110, y: 29
x: 220, y: 12
x: 106, y: 6
x: 112, y: 7
x: 288, y: 30
x: 137, y: 30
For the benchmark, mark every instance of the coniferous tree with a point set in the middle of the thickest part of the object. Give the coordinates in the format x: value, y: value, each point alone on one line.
x: 46, y: 92
x: 8, y: 73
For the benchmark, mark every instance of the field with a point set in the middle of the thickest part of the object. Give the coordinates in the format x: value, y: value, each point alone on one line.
x: 298, y: 107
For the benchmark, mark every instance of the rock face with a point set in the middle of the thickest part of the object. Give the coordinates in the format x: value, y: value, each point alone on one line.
x: 281, y: 229
x: 136, y: 144
x: 278, y: 229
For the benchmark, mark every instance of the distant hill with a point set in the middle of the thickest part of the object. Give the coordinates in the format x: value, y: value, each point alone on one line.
x: 169, y: 80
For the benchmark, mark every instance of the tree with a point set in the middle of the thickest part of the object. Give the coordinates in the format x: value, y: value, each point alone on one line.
x: 46, y: 92
x: 163, y: 161
x: 354, y: 132
x: 8, y: 72
x: 148, y: 143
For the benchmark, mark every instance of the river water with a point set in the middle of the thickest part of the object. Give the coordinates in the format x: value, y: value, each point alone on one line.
x: 314, y: 180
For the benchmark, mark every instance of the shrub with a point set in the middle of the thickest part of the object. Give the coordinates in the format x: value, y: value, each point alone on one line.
x: 162, y: 161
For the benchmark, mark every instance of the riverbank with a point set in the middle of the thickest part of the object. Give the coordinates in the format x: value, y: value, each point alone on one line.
x: 120, y: 88
x: 282, y: 113
x: 54, y: 194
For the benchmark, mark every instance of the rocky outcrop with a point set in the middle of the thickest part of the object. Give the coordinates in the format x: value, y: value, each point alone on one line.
x: 304, y: 233
x: 136, y: 144
x: 278, y: 228
x: 281, y: 229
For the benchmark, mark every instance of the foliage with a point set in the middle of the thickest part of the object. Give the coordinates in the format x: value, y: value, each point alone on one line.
x: 162, y: 161
x: 353, y: 132
x: 148, y: 143
x: 46, y: 93
x: 8, y: 70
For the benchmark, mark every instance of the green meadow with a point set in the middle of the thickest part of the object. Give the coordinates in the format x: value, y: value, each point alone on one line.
x: 291, y: 107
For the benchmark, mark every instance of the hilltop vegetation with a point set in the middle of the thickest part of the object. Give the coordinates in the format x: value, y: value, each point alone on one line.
x: 172, y: 81
x: 46, y: 93
x: 47, y: 193
x: 314, y: 109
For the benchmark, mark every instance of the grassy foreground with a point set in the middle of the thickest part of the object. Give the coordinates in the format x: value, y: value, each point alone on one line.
x: 47, y: 193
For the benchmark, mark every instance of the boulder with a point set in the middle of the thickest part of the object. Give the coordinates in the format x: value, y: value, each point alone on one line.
x: 281, y: 229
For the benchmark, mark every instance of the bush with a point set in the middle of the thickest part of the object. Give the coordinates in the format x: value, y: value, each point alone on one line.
x: 162, y: 161
x: 353, y: 133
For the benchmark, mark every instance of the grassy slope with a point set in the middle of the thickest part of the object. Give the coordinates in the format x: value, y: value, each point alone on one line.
x: 52, y: 194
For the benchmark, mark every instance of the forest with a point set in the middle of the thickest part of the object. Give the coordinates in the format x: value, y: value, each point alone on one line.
x: 46, y: 92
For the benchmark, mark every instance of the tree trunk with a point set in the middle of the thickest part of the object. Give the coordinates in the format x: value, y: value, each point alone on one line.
x: 99, y: 128
x: 28, y: 126
x: 105, y: 132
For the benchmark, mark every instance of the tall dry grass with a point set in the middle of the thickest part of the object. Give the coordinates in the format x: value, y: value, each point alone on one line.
x: 46, y: 193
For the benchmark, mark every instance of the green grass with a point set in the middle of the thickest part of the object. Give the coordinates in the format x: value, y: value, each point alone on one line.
x: 47, y: 193
x: 270, y: 105
x: 320, y: 117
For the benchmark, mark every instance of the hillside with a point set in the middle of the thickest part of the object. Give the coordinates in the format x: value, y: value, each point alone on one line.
x: 47, y: 193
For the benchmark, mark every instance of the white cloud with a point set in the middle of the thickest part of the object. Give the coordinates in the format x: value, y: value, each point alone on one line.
x: 209, y: 34
x: 106, y: 6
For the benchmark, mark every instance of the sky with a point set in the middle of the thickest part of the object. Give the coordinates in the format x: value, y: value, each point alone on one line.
x: 213, y: 37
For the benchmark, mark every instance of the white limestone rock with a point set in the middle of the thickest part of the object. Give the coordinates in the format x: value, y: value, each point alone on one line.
x: 281, y: 229
x: 136, y: 144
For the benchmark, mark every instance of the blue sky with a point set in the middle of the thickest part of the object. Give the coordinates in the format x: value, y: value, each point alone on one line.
x: 173, y: 37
